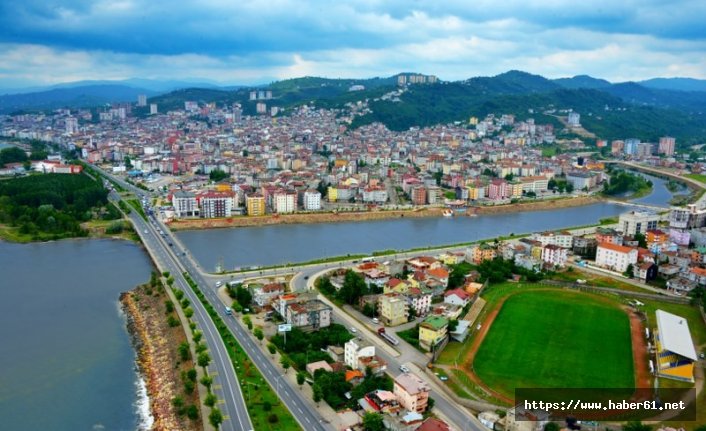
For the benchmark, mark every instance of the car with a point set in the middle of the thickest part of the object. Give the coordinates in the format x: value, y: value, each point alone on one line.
x: 404, y: 369
x: 353, y: 330
x: 171, y: 245
x: 306, y: 277
x: 145, y: 230
x: 443, y: 378
x: 376, y: 320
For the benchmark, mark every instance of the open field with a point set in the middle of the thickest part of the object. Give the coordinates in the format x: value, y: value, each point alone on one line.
x: 556, y: 339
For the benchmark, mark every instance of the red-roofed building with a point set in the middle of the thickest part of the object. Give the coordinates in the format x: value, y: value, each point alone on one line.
x: 457, y: 297
x: 615, y: 257
x: 433, y: 424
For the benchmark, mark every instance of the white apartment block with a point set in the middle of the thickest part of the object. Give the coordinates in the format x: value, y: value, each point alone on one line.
x: 356, y: 349
x: 284, y: 202
x: 216, y: 204
x: 312, y: 200
x: 555, y: 255
x: 615, y: 257
x: 185, y: 204
x: 633, y: 222
x: 561, y: 239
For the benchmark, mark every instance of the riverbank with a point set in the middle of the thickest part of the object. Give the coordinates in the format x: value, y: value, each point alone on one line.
x: 156, y: 337
x: 328, y: 217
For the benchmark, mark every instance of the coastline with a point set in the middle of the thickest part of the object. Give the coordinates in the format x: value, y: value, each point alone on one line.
x: 154, y: 344
x: 328, y: 217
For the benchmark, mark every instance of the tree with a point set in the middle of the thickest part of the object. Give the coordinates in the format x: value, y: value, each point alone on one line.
x: 551, y: 426
x: 128, y: 163
x: 641, y: 241
x: 301, y: 378
x: 248, y: 322
x: 369, y: 309
x: 353, y: 288
x: 204, y: 359
x: 210, y: 400
x: 259, y: 334
x: 217, y: 175
x: 318, y: 394
x: 373, y: 422
x: 178, y: 404
x: 453, y: 324
x: 509, y: 177
x: 569, y: 187
x: 184, y: 352
x: 629, y: 271
x: 207, y: 381
x: 192, y: 412
x: 430, y: 404
x: 286, y: 363
x: 272, y: 348
x: 215, y: 418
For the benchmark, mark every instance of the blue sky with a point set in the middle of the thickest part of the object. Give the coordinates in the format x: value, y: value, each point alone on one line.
x: 244, y: 41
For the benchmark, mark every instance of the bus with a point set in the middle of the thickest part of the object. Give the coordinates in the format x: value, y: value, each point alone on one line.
x: 368, y: 259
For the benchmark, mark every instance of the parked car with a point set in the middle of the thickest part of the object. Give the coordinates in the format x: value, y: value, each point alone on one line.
x: 404, y: 369
x: 353, y: 330
x: 376, y: 320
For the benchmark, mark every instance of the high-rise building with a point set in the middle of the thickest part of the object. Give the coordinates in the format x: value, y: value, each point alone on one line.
x: 666, y: 145
x: 630, y: 146
x: 141, y: 100
x: 261, y: 108
x: 574, y: 119
x: 253, y: 95
x: 71, y: 124
x: 255, y: 204
x: 153, y: 108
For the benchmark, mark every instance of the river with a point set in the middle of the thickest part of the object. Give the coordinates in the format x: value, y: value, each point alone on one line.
x: 279, y: 244
x: 66, y: 361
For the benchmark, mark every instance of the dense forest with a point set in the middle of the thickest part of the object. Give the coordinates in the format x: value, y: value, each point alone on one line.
x: 52, y: 206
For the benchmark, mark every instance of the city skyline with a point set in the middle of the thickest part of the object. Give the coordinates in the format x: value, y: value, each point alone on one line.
x: 248, y: 43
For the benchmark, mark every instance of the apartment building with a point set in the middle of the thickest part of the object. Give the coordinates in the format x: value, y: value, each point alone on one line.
x: 634, y: 222
x: 615, y: 257
x: 255, y: 204
x: 185, y: 204
x: 392, y: 309
x: 411, y: 392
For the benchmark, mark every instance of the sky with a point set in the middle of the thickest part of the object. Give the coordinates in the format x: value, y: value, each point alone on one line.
x: 44, y: 42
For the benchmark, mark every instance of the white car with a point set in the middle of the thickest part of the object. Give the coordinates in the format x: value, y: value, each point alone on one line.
x: 353, y: 330
x: 404, y: 369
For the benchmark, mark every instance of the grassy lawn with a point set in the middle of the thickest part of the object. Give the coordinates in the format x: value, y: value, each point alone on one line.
x: 698, y: 177
x: 567, y: 339
x: 594, y: 280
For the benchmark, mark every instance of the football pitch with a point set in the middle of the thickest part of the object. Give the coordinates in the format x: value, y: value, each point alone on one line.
x: 556, y: 339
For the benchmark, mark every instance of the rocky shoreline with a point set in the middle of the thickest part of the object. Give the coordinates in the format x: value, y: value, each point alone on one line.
x: 302, y: 218
x: 156, y: 357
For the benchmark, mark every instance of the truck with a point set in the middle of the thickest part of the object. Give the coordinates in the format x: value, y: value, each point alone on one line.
x: 387, y: 337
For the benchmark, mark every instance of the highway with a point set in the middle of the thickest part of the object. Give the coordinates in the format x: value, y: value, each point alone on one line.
x: 165, y: 249
x: 225, y: 384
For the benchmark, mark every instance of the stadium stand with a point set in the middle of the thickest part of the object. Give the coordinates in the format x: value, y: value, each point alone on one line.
x: 675, y: 355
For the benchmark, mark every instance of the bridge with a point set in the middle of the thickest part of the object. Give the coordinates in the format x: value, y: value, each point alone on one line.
x: 655, y: 208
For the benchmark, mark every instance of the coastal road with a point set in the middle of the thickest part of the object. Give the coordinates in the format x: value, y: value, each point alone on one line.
x: 225, y: 384
x: 301, y: 408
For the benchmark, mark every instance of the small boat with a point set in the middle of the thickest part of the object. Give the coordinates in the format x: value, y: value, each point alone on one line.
x: 448, y: 213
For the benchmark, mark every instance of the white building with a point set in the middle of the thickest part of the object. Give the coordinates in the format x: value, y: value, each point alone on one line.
x: 216, y: 204
x: 562, y: 239
x: 555, y: 255
x: 284, y: 202
x: 185, y: 204
x: 141, y: 100
x: 312, y: 200
x: 574, y: 119
x: 71, y: 124
x: 375, y: 194
x: 356, y: 349
x: 615, y: 257
x: 633, y: 222
x: 153, y: 108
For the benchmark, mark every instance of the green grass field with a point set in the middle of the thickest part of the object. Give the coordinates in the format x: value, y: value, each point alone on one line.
x: 554, y: 339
